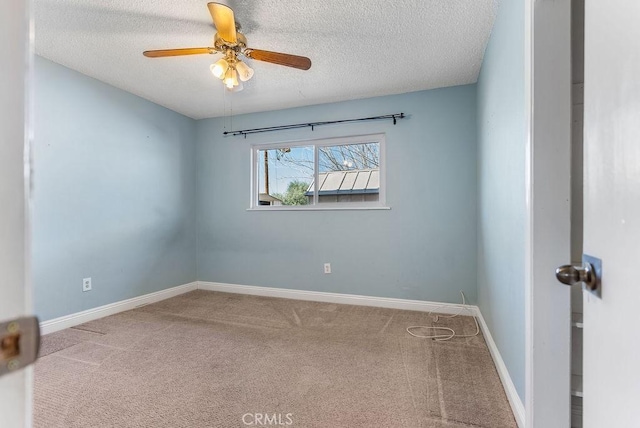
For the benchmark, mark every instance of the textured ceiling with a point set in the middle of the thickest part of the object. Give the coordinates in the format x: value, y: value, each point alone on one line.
x: 359, y: 48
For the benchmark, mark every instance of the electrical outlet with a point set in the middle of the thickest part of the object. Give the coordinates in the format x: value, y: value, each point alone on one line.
x: 327, y: 268
x: 86, y: 284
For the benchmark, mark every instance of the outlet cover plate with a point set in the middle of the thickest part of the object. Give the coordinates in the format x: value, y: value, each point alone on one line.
x: 86, y: 284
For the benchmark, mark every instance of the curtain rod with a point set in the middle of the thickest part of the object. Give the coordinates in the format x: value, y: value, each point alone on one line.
x: 312, y: 125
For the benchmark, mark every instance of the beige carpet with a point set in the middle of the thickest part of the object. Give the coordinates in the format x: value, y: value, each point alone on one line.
x: 207, y: 359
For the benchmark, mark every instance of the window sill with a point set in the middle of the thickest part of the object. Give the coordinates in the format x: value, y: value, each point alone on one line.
x: 316, y: 208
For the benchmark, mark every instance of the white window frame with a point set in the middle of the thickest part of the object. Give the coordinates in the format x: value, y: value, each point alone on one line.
x: 323, y: 142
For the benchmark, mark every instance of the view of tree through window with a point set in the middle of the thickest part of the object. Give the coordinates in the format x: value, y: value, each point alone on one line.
x: 349, y: 157
x: 284, y: 174
x: 346, y: 173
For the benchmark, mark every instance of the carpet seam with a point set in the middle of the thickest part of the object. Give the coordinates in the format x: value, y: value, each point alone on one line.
x: 74, y: 359
x: 406, y: 372
x: 443, y: 412
x: 224, y: 322
x: 386, y: 325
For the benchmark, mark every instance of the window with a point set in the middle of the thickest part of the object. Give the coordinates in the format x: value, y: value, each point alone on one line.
x: 322, y: 174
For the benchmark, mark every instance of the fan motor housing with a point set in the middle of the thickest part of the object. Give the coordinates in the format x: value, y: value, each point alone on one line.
x: 222, y: 45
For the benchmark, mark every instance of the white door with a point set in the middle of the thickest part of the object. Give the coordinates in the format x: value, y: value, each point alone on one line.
x: 611, y: 367
x: 15, y: 388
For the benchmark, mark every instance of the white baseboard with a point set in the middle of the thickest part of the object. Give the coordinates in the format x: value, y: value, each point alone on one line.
x: 78, y: 318
x: 345, y: 299
x: 517, y: 407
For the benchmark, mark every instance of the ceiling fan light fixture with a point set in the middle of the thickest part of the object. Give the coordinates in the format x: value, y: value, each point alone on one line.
x: 220, y: 68
x: 244, y: 71
x: 231, y: 78
x: 232, y: 44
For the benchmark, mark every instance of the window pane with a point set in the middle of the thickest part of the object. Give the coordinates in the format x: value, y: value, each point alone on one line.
x: 349, y: 173
x: 285, y: 176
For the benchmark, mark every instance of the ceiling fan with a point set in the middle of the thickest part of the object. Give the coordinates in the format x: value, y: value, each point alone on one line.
x: 232, y: 44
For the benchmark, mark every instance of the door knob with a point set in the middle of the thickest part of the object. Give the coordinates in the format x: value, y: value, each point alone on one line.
x: 570, y: 275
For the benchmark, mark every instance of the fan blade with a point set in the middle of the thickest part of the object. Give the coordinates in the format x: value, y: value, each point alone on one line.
x: 295, y: 61
x: 224, y: 21
x: 177, y: 52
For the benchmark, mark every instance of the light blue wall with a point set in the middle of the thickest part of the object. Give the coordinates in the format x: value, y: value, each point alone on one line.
x: 113, y: 194
x: 501, y: 188
x: 115, y: 200
x: 423, y: 248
